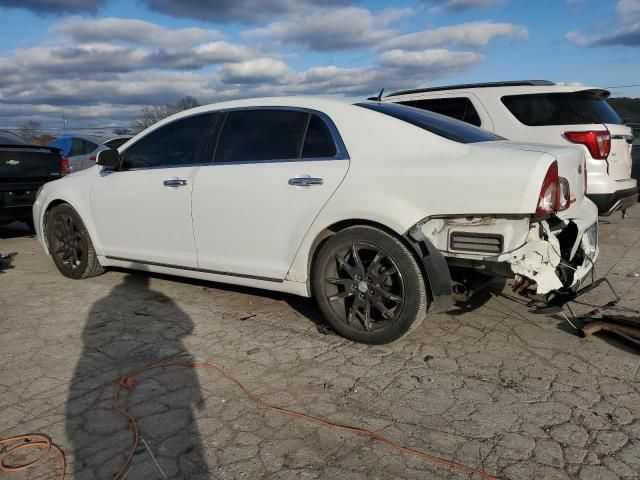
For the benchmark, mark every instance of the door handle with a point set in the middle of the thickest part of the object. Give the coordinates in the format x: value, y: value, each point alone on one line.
x: 305, y: 181
x: 175, y: 182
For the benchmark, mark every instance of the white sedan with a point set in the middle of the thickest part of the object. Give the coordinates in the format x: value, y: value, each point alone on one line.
x: 364, y: 206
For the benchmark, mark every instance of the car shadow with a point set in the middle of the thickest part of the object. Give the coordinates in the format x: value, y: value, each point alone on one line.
x: 305, y: 307
x: 15, y: 230
x: 479, y: 298
x: 132, y: 327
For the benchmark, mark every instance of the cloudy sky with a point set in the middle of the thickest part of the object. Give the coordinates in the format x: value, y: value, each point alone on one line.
x: 99, y: 61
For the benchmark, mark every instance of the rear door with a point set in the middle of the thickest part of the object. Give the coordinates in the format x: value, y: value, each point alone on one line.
x: 273, y: 171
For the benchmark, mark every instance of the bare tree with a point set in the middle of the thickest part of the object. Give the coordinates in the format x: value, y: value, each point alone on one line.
x: 29, y: 130
x: 154, y: 113
x: 43, y: 139
x: 185, y: 103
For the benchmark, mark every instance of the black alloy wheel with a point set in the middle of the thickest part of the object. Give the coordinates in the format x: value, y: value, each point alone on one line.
x: 70, y: 245
x: 369, y: 285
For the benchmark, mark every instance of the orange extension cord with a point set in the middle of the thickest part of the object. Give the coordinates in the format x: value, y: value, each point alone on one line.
x: 128, y: 382
x: 25, y: 442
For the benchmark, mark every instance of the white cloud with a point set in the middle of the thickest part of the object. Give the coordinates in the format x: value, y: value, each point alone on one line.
x: 262, y: 70
x: 86, y: 30
x: 101, y: 71
x: 472, y: 34
x: 461, y: 5
x: 628, y: 7
x: 625, y: 36
x: 329, y: 30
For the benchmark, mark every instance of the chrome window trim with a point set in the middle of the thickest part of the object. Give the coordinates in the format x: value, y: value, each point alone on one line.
x: 341, y: 149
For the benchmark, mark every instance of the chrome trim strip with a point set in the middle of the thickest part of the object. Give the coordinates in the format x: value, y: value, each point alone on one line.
x: 193, y: 269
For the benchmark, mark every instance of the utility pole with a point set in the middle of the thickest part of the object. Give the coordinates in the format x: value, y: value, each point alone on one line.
x: 64, y: 121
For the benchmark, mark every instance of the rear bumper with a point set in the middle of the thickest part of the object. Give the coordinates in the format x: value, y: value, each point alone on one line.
x: 609, y: 203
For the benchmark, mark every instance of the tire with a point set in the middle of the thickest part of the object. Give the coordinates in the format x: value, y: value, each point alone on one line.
x: 70, y: 245
x: 369, y: 286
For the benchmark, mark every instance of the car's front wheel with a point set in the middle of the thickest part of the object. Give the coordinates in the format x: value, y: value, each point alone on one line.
x: 369, y: 286
x: 70, y: 244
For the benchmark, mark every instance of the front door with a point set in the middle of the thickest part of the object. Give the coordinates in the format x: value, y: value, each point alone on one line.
x: 273, y: 171
x: 142, y: 212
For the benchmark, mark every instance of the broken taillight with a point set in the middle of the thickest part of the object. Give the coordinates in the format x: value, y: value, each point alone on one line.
x: 549, y: 199
x: 598, y: 142
x: 565, y: 194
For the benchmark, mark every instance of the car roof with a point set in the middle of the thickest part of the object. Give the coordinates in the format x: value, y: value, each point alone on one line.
x: 513, y: 88
x: 307, y: 102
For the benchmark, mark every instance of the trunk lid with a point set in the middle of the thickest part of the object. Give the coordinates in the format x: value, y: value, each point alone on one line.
x: 20, y: 163
x: 571, y: 165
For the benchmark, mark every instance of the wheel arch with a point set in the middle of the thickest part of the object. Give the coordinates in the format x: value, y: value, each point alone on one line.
x: 81, y: 213
x: 331, y: 230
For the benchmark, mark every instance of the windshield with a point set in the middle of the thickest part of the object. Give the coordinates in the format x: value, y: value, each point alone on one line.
x: 441, y: 125
x: 540, y: 109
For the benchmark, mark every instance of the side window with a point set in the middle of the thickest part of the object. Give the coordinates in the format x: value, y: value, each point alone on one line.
x: 459, y: 108
x: 89, y: 146
x: 261, y: 135
x: 318, y: 142
x: 177, y: 143
x: 77, y: 147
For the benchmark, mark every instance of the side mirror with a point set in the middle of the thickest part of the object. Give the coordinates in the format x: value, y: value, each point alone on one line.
x: 108, y: 158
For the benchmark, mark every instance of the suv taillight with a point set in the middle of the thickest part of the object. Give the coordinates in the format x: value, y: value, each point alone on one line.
x: 598, y: 142
x: 64, y: 165
x: 549, y: 199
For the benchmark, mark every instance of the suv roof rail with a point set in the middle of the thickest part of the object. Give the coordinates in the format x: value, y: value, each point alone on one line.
x: 514, y: 83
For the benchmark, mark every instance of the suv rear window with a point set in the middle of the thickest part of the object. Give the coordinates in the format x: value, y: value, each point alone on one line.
x: 441, y: 125
x: 540, y: 109
x: 459, y: 108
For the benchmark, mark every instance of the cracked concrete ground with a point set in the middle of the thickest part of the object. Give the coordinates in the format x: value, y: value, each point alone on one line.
x: 494, y: 387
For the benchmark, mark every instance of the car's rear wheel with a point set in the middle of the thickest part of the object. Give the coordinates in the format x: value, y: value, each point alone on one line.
x: 70, y: 244
x: 369, y: 286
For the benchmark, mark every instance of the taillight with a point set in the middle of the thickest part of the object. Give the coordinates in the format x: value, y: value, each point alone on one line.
x: 549, y: 199
x: 564, y: 197
x: 64, y: 165
x: 92, y: 158
x: 598, y: 142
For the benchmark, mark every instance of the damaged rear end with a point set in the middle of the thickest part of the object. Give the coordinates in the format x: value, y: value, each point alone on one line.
x: 551, y: 249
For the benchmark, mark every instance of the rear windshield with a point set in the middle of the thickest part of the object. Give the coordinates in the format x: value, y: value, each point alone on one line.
x: 7, y: 138
x: 573, y: 108
x: 441, y: 125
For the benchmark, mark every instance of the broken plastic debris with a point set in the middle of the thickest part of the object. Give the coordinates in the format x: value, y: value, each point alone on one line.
x: 537, y: 259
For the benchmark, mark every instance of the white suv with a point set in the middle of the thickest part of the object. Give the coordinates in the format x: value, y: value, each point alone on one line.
x: 540, y: 111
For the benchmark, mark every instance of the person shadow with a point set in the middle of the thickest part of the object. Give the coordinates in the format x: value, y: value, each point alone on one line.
x: 132, y: 327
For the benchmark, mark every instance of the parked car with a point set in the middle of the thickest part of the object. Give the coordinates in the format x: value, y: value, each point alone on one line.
x: 635, y: 152
x: 542, y: 112
x: 81, y: 150
x: 24, y: 169
x: 363, y: 206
